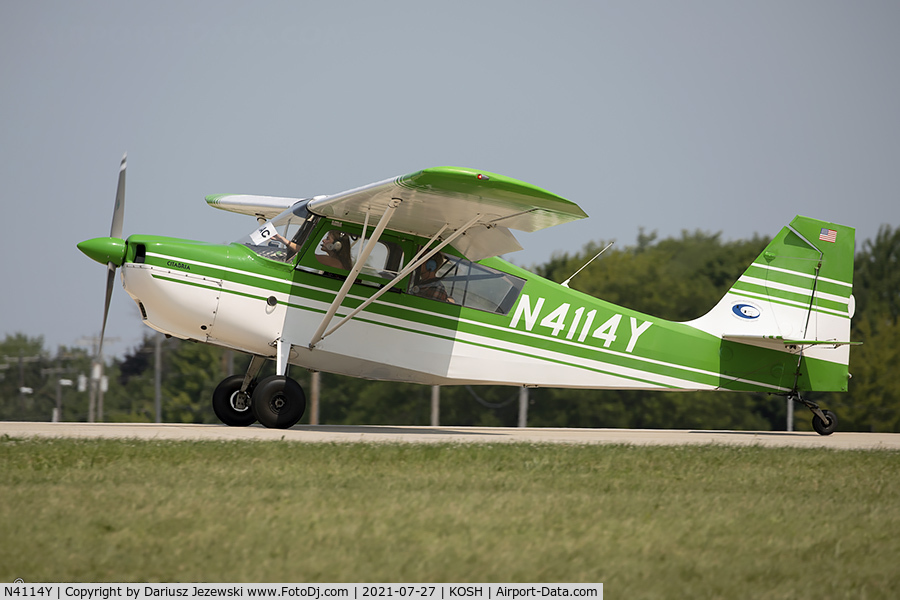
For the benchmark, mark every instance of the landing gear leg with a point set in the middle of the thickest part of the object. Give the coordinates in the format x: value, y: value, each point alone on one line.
x: 279, y: 401
x: 824, y: 421
x: 232, y: 397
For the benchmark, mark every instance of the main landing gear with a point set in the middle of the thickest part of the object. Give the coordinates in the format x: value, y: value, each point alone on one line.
x: 824, y: 421
x: 277, y: 402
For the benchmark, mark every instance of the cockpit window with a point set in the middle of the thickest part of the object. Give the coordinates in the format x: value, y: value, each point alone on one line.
x: 334, y: 250
x: 460, y: 281
x: 282, y: 238
x: 339, y: 249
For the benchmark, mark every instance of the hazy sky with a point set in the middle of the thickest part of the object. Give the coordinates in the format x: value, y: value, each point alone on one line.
x: 724, y: 116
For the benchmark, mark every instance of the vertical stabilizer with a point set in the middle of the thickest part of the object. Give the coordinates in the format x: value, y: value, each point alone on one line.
x: 796, y: 297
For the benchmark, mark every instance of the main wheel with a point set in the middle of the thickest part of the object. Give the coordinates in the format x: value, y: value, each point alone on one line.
x: 230, y: 405
x: 823, y: 428
x: 278, y: 402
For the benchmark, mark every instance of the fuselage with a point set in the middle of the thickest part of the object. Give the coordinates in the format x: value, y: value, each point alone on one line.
x: 545, y: 336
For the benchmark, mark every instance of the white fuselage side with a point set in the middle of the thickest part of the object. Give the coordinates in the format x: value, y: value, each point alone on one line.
x: 372, y: 346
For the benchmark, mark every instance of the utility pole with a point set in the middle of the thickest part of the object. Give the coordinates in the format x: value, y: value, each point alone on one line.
x: 314, y: 386
x: 57, y: 412
x: 23, y: 389
x: 157, y: 378
x: 95, y: 402
x: 523, y: 406
x: 98, y: 379
x: 56, y: 372
x: 19, y: 361
x: 790, y: 414
x: 435, y: 405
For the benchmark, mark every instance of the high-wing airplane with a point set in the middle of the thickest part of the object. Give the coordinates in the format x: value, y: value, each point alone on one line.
x: 401, y: 280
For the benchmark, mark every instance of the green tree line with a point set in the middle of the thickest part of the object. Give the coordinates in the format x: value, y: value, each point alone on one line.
x: 677, y: 278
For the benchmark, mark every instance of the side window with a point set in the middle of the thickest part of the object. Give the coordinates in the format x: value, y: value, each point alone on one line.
x: 333, y: 250
x: 338, y: 250
x: 460, y: 281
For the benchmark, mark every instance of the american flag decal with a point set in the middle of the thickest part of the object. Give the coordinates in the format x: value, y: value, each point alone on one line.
x: 828, y: 235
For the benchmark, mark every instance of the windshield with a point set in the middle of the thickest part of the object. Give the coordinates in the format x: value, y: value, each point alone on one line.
x: 282, y: 238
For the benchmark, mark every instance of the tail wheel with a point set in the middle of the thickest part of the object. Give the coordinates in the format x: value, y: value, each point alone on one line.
x: 826, y: 427
x: 278, y: 402
x: 231, y: 405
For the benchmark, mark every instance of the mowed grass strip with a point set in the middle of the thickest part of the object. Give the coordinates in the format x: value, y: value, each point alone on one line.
x: 710, y: 521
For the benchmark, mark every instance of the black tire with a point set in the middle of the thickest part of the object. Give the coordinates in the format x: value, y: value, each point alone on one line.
x: 226, y: 402
x: 823, y: 428
x: 278, y: 402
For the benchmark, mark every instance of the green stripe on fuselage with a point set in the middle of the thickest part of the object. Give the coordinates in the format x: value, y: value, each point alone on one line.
x: 665, y: 350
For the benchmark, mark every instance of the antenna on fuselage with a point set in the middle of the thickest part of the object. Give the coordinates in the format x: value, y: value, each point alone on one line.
x: 565, y: 283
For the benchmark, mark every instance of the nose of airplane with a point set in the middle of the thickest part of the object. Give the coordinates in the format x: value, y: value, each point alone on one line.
x: 105, y: 250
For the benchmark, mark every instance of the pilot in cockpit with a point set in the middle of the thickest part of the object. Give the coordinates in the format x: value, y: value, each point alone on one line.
x: 334, y: 250
x: 292, y: 247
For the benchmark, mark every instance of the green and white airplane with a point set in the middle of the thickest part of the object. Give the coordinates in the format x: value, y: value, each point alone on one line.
x: 401, y: 280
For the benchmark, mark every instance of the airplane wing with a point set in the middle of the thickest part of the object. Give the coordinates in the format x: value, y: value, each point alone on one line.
x: 255, y: 206
x: 450, y: 197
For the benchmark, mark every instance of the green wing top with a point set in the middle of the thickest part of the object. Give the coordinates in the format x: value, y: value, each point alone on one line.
x: 450, y: 197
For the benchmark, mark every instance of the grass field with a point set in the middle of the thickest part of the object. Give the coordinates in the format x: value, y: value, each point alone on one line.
x: 648, y: 522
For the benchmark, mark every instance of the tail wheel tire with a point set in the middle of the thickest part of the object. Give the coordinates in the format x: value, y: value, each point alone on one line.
x: 823, y: 428
x: 231, y: 405
x: 279, y: 402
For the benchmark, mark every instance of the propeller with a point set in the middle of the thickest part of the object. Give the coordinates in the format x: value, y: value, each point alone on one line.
x: 110, y: 250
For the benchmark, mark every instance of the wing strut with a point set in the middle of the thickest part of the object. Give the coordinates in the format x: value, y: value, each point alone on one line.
x: 418, y: 261
x: 354, y: 272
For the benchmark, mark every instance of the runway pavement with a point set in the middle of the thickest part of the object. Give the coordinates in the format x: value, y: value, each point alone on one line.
x: 412, y: 434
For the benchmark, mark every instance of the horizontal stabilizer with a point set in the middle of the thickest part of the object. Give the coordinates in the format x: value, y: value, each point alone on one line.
x: 780, y: 342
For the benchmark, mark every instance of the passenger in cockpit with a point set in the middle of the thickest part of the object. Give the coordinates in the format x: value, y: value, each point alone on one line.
x: 427, y: 283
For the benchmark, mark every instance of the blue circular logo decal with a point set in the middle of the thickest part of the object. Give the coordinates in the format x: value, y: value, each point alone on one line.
x: 746, y: 311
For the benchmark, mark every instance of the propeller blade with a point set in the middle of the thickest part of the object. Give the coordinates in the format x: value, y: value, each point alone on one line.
x: 115, y: 229
x: 110, y: 282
